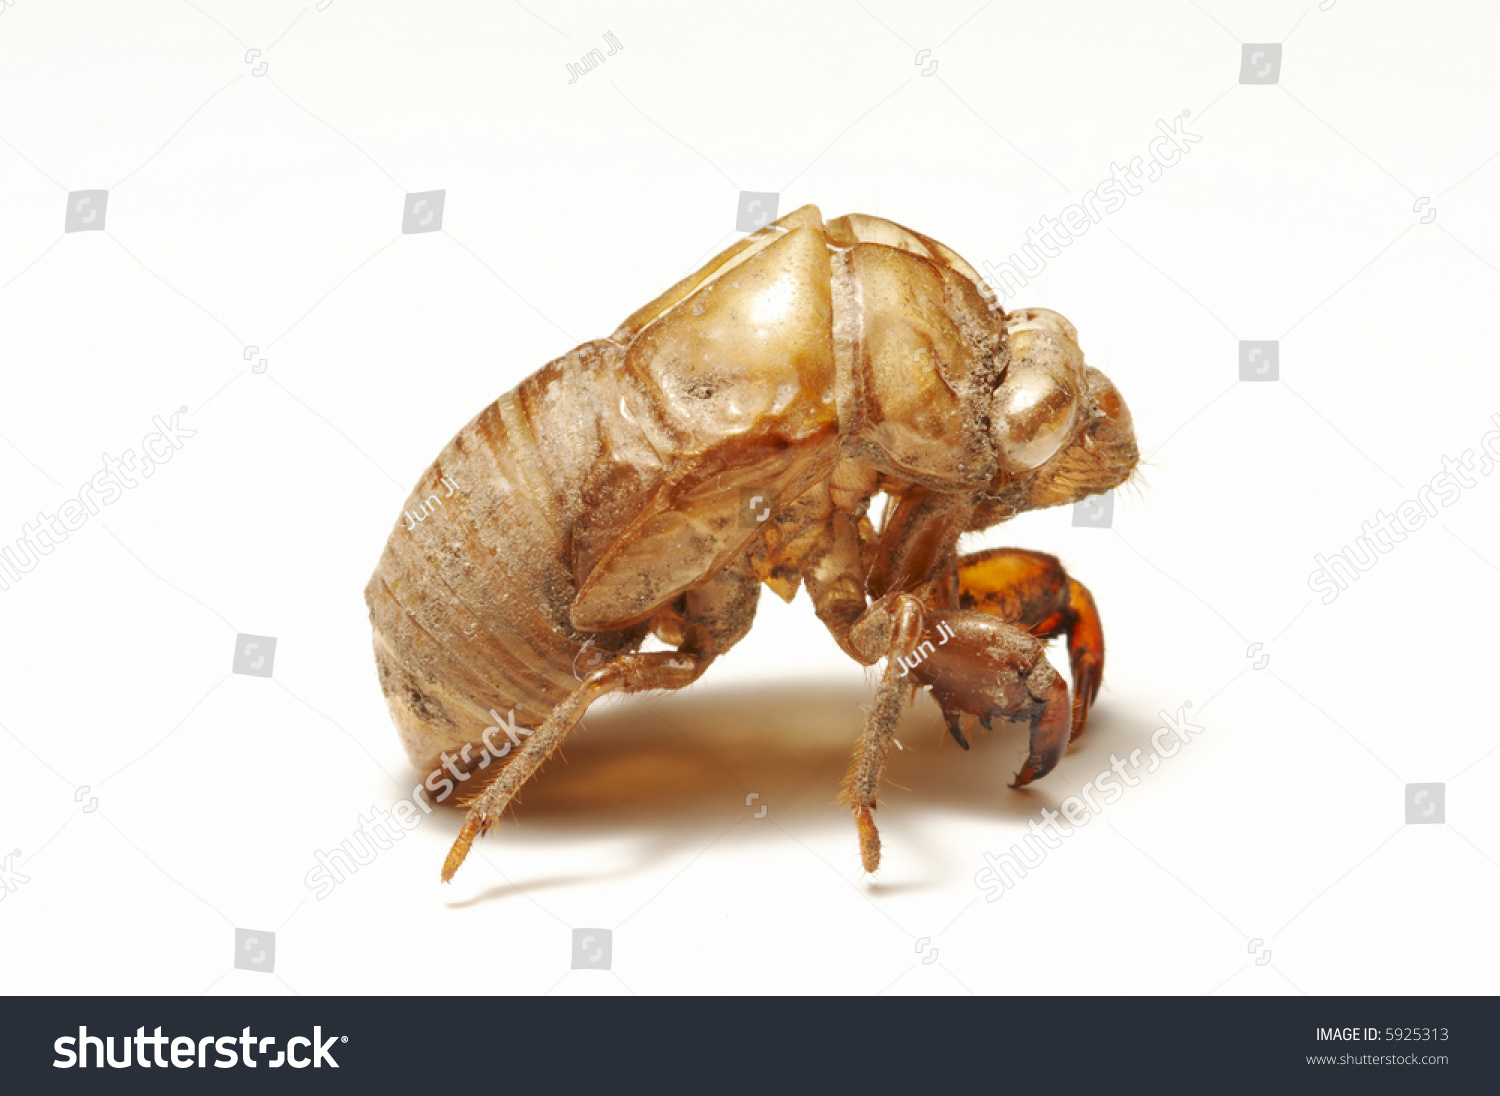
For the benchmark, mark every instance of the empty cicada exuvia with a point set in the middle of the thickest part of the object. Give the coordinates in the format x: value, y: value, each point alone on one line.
x: 732, y: 433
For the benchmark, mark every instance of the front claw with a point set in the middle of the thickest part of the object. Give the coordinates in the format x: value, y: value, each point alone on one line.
x: 1051, y: 721
x: 1085, y: 689
x: 1032, y: 591
x: 986, y: 667
x: 1085, y: 652
x: 955, y: 728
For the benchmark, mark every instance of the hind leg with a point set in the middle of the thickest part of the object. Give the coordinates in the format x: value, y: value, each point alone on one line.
x: 1032, y: 591
x: 714, y: 618
x: 626, y: 674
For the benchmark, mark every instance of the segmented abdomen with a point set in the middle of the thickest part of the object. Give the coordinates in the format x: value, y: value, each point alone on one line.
x: 470, y: 600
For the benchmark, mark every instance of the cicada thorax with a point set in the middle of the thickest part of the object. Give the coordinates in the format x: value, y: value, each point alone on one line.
x: 922, y: 351
x: 917, y: 354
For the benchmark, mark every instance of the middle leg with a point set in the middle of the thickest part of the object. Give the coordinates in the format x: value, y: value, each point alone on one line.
x: 898, y: 619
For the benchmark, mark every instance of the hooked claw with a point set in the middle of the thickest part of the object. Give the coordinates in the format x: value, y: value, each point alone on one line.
x: 1051, y: 721
x: 1085, y: 652
x: 992, y: 668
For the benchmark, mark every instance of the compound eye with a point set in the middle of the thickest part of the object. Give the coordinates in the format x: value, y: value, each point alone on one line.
x: 1032, y: 414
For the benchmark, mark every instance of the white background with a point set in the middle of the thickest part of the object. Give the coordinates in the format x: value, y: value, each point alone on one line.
x: 1269, y: 856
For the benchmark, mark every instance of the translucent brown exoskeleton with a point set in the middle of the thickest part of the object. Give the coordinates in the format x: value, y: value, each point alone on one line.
x: 731, y: 433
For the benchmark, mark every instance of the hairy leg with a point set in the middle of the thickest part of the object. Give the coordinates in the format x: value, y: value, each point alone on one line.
x: 713, y: 618
x: 901, y: 617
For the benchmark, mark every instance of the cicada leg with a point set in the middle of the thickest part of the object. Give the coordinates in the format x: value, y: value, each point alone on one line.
x: 1032, y: 591
x: 903, y: 616
x: 628, y: 674
x: 713, y: 618
x: 976, y: 665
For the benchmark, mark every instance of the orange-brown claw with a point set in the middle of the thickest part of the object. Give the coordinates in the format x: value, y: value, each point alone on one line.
x: 1032, y: 591
x: 977, y: 665
x: 1049, y: 726
x: 1085, y: 651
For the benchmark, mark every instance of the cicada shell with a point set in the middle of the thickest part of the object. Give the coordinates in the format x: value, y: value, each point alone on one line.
x: 807, y: 367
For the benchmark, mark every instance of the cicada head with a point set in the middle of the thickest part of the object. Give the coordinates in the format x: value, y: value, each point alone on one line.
x: 1057, y: 424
